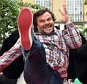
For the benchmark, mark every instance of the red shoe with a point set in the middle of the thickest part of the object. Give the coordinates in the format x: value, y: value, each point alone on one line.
x: 25, y: 19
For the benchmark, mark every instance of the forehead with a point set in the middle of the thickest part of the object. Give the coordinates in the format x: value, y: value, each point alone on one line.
x: 44, y: 15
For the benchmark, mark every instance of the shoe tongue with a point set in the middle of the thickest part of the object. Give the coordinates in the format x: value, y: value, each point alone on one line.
x: 25, y: 53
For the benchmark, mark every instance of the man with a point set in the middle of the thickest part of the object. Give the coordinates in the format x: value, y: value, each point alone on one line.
x: 46, y: 59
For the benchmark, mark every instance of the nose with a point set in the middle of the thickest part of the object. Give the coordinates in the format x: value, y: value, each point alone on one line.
x: 46, y: 22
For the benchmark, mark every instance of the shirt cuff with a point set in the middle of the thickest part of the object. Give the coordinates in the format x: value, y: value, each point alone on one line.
x: 70, y: 25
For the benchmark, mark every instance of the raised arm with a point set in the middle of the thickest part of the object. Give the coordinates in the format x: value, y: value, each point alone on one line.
x: 71, y: 33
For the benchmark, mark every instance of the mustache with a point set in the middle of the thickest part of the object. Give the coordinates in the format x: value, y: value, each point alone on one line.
x: 48, y: 25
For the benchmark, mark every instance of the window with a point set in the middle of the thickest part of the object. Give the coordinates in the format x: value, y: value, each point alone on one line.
x: 44, y: 3
x: 75, y: 9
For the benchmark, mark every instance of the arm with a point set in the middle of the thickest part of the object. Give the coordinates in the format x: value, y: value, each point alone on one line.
x: 71, y: 34
x: 9, y: 56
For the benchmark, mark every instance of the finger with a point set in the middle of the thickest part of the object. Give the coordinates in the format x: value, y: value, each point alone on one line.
x: 64, y: 7
x: 60, y: 11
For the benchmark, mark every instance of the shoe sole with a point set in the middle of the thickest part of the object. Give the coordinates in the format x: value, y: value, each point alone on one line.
x: 25, y: 19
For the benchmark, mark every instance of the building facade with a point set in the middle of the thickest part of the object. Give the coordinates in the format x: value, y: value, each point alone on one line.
x: 77, y: 10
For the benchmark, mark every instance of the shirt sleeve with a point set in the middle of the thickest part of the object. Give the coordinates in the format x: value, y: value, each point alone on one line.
x: 72, y: 36
x: 9, y: 56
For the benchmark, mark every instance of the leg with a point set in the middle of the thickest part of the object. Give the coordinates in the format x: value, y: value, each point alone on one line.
x: 36, y: 70
x: 35, y: 65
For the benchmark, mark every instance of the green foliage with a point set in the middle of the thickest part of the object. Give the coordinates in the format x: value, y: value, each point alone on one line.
x: 34, y: 6
x: 8, y: 17
x: 84, y: 32
x: 85, y: 2
x: 9, y: 10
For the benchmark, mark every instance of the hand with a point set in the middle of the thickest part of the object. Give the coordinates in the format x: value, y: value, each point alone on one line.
x: 65, y: 17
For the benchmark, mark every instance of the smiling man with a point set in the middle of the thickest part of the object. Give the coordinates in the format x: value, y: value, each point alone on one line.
x: 46, y: 51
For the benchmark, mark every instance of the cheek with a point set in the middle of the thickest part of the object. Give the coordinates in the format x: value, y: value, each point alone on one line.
x: 40, y: 25
x: 40, y: 28
x: 52, y: 22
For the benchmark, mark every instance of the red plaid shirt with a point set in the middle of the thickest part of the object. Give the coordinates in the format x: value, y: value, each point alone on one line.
x: 56, y: 46
x: 11, y: 55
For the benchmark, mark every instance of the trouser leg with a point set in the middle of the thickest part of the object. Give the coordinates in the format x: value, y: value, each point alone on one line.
x: 36, y: 70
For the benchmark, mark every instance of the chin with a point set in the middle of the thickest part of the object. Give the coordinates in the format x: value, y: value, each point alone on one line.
x: 48, y: 33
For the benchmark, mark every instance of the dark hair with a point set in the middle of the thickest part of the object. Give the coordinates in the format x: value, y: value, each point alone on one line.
x: 38, y: 13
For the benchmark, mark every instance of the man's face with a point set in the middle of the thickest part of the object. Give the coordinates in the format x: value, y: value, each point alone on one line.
x: 45, y: 23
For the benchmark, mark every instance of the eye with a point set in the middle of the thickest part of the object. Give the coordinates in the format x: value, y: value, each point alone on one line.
x: 41, y: 21
x: 49, y: 19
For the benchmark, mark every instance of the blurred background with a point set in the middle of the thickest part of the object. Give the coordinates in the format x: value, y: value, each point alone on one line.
x: 9, y: 9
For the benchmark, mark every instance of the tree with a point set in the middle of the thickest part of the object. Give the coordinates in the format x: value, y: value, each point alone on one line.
x: 84, y: 33
x: 8, y: 17
x: 9, y: 10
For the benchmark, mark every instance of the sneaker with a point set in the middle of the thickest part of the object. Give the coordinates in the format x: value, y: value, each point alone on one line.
x: 25, y: 20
